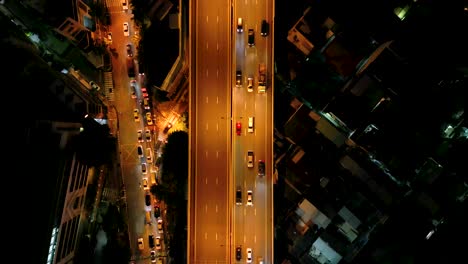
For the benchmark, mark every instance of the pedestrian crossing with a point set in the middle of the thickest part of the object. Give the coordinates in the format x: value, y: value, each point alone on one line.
x: 109, y: 194
x: 109, y: 86
x: 115, y: 6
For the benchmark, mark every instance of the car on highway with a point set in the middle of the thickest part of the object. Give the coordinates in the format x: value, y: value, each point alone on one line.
x: 240, y: 26
x: 249, y: 198
x: 250, y: 84
x: 144, y: 92
x: 145, y: 184
x: 133, y: 89
x: 265, y: 28
x: 146, y: 104
x: 250, y: 128
x: 238, y: 196
x: 238, y: 128
x: 126, y: 29
x: 140, y: 151
x: 136, y: 115
x: 140, y: 136
x: 129, y: 50
x: 157, y: 211
x: 160, y: 225
x: 141, y: 245
x: 149, y: 119
x: 124, y: 5
x: 148, y: 199
x: 251, y: 38
x: 250, y: 159
x: 249, y: 255
x: 151, y: 241
x: 261, y: 168
x: 109, y: 37
x: 149, y: 155
x: 158, y: 242
x: 238, y: 78
x: 143, y: 168
x: 153, y: 256
x: 238, y: 253
x: 148, y: 135
x: 94, y: 86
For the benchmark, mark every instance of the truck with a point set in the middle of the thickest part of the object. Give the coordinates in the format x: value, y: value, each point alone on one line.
x: 130, y: 67
x: 262, y: 78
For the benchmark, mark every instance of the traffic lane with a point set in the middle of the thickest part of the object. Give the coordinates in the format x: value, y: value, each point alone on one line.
x: 210, y: 186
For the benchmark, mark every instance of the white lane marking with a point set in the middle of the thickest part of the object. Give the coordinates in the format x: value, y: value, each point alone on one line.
x: 206, y: 208
x: 216, y: 180
x: 217, y: 72
x: 207, y: 99
x: 206, y: 180
x: 206, y: 235
x: 217, y: 46
x: 207, y: 45
x: 217, y: 126
x: 216, y: 236
x: 255, y: 211
x: 217, y: 19
x: 217, y: 154
x: 206, y: 19
x: 207, y: 129
x: 206, y: 153
x: 206, y: 72
x: 216, y: 208
x: 255, y: 239
x: 217, y: 100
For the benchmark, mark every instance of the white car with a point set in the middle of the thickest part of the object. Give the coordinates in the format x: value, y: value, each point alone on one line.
x: 250, y: 159
x: 250, y: 84
x: 158, y: 242
x: 249, y: 198
x: 143, y: 168
x: 126, y: 30
x: 249, y: 255
x: 140, y: 136
x: 149, y: 155
x: 148, y: 135
x: 141, y: 246
x: 160, y: 225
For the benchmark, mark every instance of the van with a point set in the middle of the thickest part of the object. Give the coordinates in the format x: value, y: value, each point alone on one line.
x: 251, y: 125
x: 124, y: 5
x: 240, y: 27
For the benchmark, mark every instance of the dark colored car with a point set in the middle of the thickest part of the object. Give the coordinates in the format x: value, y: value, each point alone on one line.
x: 147, y: 200
x: 238, y: 78
x: 157, y: 211
x: 238, y: 253
x: 151, y: 241
x: 239, y: 196
x: 251, y: 38
x: 261, y: 168
x: 129, y: 50
x: 265, y: 29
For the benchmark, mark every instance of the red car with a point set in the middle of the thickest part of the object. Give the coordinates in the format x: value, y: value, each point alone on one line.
x: 238, y: 128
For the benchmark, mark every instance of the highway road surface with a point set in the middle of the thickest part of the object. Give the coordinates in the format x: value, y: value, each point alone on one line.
x: 218, y: 156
